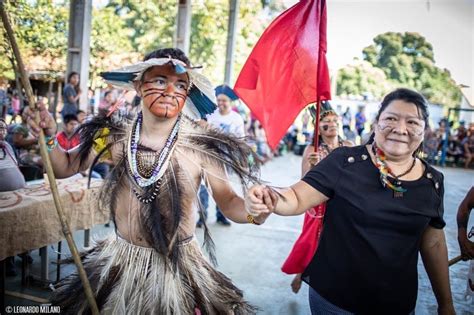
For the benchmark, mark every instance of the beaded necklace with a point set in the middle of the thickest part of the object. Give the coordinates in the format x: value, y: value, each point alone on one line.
x: 384, y: 169
x: 163, y: 156
x: 328, y: 149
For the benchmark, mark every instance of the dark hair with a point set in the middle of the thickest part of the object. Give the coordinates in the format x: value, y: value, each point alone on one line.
x: 107, y: 93
x: 71, y: 75
x: 68, y: 118
x: 174, y: 53
x: 408, y: 96
x: 80, y: 112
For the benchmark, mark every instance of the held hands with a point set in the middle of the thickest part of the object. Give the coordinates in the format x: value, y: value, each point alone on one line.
x: 260, y: 202
x: 47, y: 122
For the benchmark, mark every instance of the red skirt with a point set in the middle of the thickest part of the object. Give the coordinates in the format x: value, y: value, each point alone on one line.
x: 306, y: 244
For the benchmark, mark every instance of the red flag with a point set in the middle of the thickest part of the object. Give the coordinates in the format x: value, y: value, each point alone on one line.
x: 287, y: 68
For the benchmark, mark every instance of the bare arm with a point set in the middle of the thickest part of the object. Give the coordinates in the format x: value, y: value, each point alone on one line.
x: 466, y: 246
x: 21, y: 142
x: 65, y: 163
x: 232, y: 205
x: 435, y: 258
x: 294, y: 200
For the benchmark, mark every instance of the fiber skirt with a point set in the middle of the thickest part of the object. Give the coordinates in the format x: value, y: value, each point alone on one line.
x: 130, y: 279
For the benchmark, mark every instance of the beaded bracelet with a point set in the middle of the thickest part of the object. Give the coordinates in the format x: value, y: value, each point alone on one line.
x: 51, y: 142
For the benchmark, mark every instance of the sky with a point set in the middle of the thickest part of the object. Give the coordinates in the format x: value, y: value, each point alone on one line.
x: 447, y: 24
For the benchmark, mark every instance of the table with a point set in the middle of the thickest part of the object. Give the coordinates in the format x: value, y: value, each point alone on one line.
x: 29, y: 220
x: 28, y: 217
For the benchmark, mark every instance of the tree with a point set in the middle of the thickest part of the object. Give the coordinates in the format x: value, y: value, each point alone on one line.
x: 408, y: 60
x: 361, y: 78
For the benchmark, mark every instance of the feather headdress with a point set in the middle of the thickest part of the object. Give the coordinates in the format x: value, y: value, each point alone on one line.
x: 201, y: 99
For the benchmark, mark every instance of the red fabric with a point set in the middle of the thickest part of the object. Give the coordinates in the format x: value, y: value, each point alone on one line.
x: 307, y: 243
x: 287, y: 69
x: 66, y: 143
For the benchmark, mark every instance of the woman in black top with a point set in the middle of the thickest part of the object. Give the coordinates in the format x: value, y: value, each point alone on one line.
x: 384, y: 205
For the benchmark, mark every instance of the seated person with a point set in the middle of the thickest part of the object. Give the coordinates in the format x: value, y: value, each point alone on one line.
x: 26, y: 144
x: 66, y: 138
x: 455, y: 149
x: 12, y: 179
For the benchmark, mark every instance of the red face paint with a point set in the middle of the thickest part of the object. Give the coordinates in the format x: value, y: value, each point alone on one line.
x: 164, y: 92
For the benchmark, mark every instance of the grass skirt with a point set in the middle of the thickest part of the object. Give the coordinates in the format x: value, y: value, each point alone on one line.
x: 131, y: 279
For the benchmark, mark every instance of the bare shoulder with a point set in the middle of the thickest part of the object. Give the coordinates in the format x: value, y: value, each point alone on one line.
x: 347, y: 143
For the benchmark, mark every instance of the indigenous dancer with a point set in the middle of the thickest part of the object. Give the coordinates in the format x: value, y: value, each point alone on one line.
x: 384, y: 207
x: 306, y: 244
x: 154, y: 265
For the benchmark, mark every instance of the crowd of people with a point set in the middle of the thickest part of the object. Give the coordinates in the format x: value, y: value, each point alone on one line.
x: 359, y: 247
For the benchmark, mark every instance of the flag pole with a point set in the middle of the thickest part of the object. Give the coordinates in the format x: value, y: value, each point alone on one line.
x: 316, y: 126
x: 47, y: 162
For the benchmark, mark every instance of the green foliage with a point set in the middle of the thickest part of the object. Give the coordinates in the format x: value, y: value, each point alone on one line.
x: 408, y: 60
x: 361, y: 78
x: 149, y: 25
x: 41, y: 31
x: 124, y: 30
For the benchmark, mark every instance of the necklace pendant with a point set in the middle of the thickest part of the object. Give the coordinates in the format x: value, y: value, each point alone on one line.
x: 397, y: 194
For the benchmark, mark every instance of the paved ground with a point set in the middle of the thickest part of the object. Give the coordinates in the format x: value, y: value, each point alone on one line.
x: 252, y: 255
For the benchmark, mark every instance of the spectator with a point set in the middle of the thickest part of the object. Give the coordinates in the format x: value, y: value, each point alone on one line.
x: 15, y: 105
x: 468, y: 146
x: 12, y: 179
x: 106, y: 103
x: 66, y: 138
x: 455, y: 150
x: 430, y: 146
x: 360, y: 121
x: 81, y: 116
x: 25, y: 143
x: 461, y: 131
x: 346, y: 120
x: 228, y: 122
x: 71, y: 95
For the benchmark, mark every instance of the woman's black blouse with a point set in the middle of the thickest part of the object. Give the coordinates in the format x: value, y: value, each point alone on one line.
x: 366, y: 261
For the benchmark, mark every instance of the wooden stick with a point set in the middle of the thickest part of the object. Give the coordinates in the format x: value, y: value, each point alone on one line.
x: 455, y: 260
x: 26, y: 297
x: 47, y: 163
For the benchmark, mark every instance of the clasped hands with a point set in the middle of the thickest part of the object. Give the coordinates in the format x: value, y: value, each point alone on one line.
x: 260, y: 202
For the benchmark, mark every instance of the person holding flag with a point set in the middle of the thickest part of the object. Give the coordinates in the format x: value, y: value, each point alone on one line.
x: 383, y: 204
x: 306, y: 244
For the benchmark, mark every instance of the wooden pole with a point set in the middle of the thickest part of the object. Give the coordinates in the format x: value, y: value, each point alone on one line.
x: 455, y: 260
x: 47, y: 163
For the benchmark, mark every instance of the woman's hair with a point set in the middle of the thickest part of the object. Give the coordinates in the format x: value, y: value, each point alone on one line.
x: 71, y: 75
x: 408, y: 96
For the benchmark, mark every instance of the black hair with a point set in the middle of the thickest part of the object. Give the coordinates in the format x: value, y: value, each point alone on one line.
x: 71, y: 75
x: 408, y: 96
x: 174, y: 53
x: 107, y: 93
x: 68, y: 118
x: 80, y: 112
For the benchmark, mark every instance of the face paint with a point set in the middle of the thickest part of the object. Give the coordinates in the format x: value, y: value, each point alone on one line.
x: 414, y: 127
x: 399, y: 130
x: 164, y: 92
x: 330, y: 123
